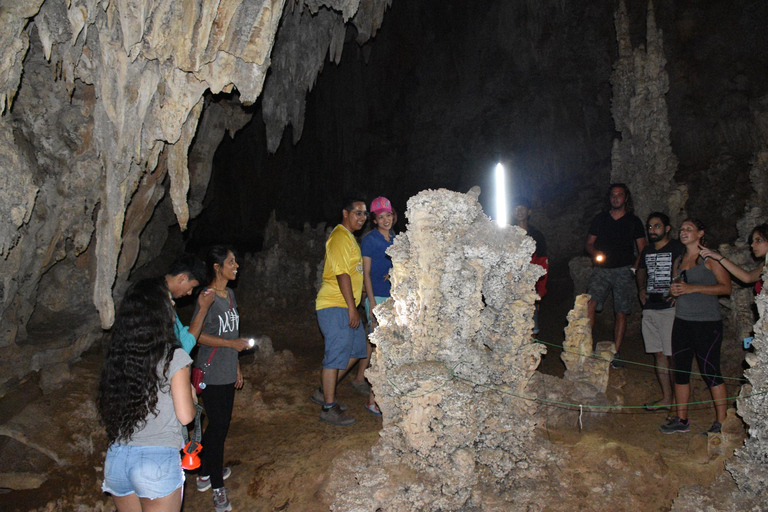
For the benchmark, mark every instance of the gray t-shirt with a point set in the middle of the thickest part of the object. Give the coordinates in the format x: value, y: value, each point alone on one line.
x: 165, y: 428
x: 222, y: 321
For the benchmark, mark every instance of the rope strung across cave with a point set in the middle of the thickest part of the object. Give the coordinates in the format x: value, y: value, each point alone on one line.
x: 553, y: 403
x: 635, y: 363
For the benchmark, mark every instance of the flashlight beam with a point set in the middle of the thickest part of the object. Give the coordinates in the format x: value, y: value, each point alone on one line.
x: 501, y: 197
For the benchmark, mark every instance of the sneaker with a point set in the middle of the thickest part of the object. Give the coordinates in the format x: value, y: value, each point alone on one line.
x: 361, y: 389
x: 335, y: 416
x: 220, y: 501
x: 675, y: 425
x: 373, y: 409
x: 716, y: 428
x: 204, y: 482
x: 317, y: 397
x: 617, y: 362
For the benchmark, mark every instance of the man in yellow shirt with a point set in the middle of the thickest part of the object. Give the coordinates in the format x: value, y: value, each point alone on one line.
x: 336, y: 307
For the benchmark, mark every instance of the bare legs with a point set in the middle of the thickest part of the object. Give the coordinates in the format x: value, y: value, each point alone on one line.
x: 683, y: 394
x: 132, y: 503
x: 619, y: 326
x: 329, y: 377
x: 360, y: 375
x: 664, y: 375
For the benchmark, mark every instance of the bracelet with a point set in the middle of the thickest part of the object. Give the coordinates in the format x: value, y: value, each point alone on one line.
x: 721, y: 260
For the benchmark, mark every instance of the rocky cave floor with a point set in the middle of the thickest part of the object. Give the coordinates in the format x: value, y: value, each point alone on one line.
x: 281, y: 454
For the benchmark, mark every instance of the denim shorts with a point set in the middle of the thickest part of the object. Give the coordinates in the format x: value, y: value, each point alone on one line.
x: 147, y: 471
x: 342, y: 343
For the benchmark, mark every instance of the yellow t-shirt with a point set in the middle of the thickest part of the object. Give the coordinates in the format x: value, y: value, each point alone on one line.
x: 342, y: 256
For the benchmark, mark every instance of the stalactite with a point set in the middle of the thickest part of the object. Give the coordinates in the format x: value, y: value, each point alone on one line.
x: 643, y: 158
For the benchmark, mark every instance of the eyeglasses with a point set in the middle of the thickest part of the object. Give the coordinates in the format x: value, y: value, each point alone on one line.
x: 359, y: 213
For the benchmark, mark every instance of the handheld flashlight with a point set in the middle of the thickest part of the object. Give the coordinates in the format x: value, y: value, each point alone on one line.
x: 599, y: 258
x: 251, y: 342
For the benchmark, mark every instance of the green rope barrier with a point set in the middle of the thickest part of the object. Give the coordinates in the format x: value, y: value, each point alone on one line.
x: 593, y: 356
x: 602, y: 408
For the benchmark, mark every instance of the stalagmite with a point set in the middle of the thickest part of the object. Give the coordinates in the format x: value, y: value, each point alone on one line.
x: 454, y: 356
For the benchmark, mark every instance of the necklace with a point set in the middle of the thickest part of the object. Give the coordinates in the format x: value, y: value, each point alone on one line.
x: 220, y: 292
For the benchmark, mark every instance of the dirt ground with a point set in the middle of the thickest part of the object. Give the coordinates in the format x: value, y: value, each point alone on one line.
x: 281, y: 454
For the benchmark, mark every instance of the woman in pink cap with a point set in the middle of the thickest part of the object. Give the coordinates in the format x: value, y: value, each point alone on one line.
x: 376, y: 268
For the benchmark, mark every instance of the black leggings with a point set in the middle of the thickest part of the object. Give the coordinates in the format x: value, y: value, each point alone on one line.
x: 700, y: 339
x: 218, y: 402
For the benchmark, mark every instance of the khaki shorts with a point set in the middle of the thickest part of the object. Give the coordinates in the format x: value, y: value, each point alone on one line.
x: 657, y: 330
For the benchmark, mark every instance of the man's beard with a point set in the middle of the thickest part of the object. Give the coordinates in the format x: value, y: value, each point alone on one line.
x: 654, y: 237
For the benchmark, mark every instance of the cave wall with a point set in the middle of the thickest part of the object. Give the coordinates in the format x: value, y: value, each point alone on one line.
x: 101, y: 102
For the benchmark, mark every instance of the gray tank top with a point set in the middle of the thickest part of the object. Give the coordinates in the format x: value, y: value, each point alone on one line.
x: 698, y: 307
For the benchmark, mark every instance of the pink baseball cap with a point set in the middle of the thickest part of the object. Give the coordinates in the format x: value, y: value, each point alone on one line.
x: 381, y: 205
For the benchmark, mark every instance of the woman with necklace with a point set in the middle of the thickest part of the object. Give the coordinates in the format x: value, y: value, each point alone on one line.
x: 220, y: 344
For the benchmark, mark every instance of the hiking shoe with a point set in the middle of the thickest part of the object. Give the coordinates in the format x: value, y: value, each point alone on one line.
x: 220, y: 501
x: 373, y: 409
x: 317, y: 398
x: 335, y: 416
x: 716, y: 428
x: 361, y: 389
x: 204, y: 482
x: 617, y: 362
x: 676, y: 425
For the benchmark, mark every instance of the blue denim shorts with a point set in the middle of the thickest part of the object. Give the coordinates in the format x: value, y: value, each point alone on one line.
x: 342, y: 343
x: 147, y: 471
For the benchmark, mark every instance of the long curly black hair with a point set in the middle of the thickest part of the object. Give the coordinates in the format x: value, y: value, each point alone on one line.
x: 142, y: 339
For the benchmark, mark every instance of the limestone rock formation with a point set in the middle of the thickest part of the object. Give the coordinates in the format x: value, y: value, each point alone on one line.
x: 102, y: 122
x: 283, y: 274
x: 454, y: 356
x: 581, y: 366
x: 747, y: 469
x: 643, y: 158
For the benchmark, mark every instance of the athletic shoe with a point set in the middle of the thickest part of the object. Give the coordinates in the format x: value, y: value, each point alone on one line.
x: 361, y: 389
x: 317, y: 397
x: 716, y: 428
x: 617, y: 362
x: 373, y: 409
x: 335, y: 416
x: 204, y: 482
x: 676, y: 425
x: 220, y: 501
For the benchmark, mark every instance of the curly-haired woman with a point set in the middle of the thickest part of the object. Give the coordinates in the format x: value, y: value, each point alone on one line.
x: 144, y: 400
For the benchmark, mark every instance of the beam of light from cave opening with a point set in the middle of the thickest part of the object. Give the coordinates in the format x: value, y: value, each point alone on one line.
x: 501, y: 197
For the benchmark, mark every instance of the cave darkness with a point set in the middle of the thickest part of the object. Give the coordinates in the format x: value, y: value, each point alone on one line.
x: 447, y: 89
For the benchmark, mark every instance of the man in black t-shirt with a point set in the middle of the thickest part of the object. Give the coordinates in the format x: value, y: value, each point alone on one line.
x: 654, y: 276
x: 614, y: 235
